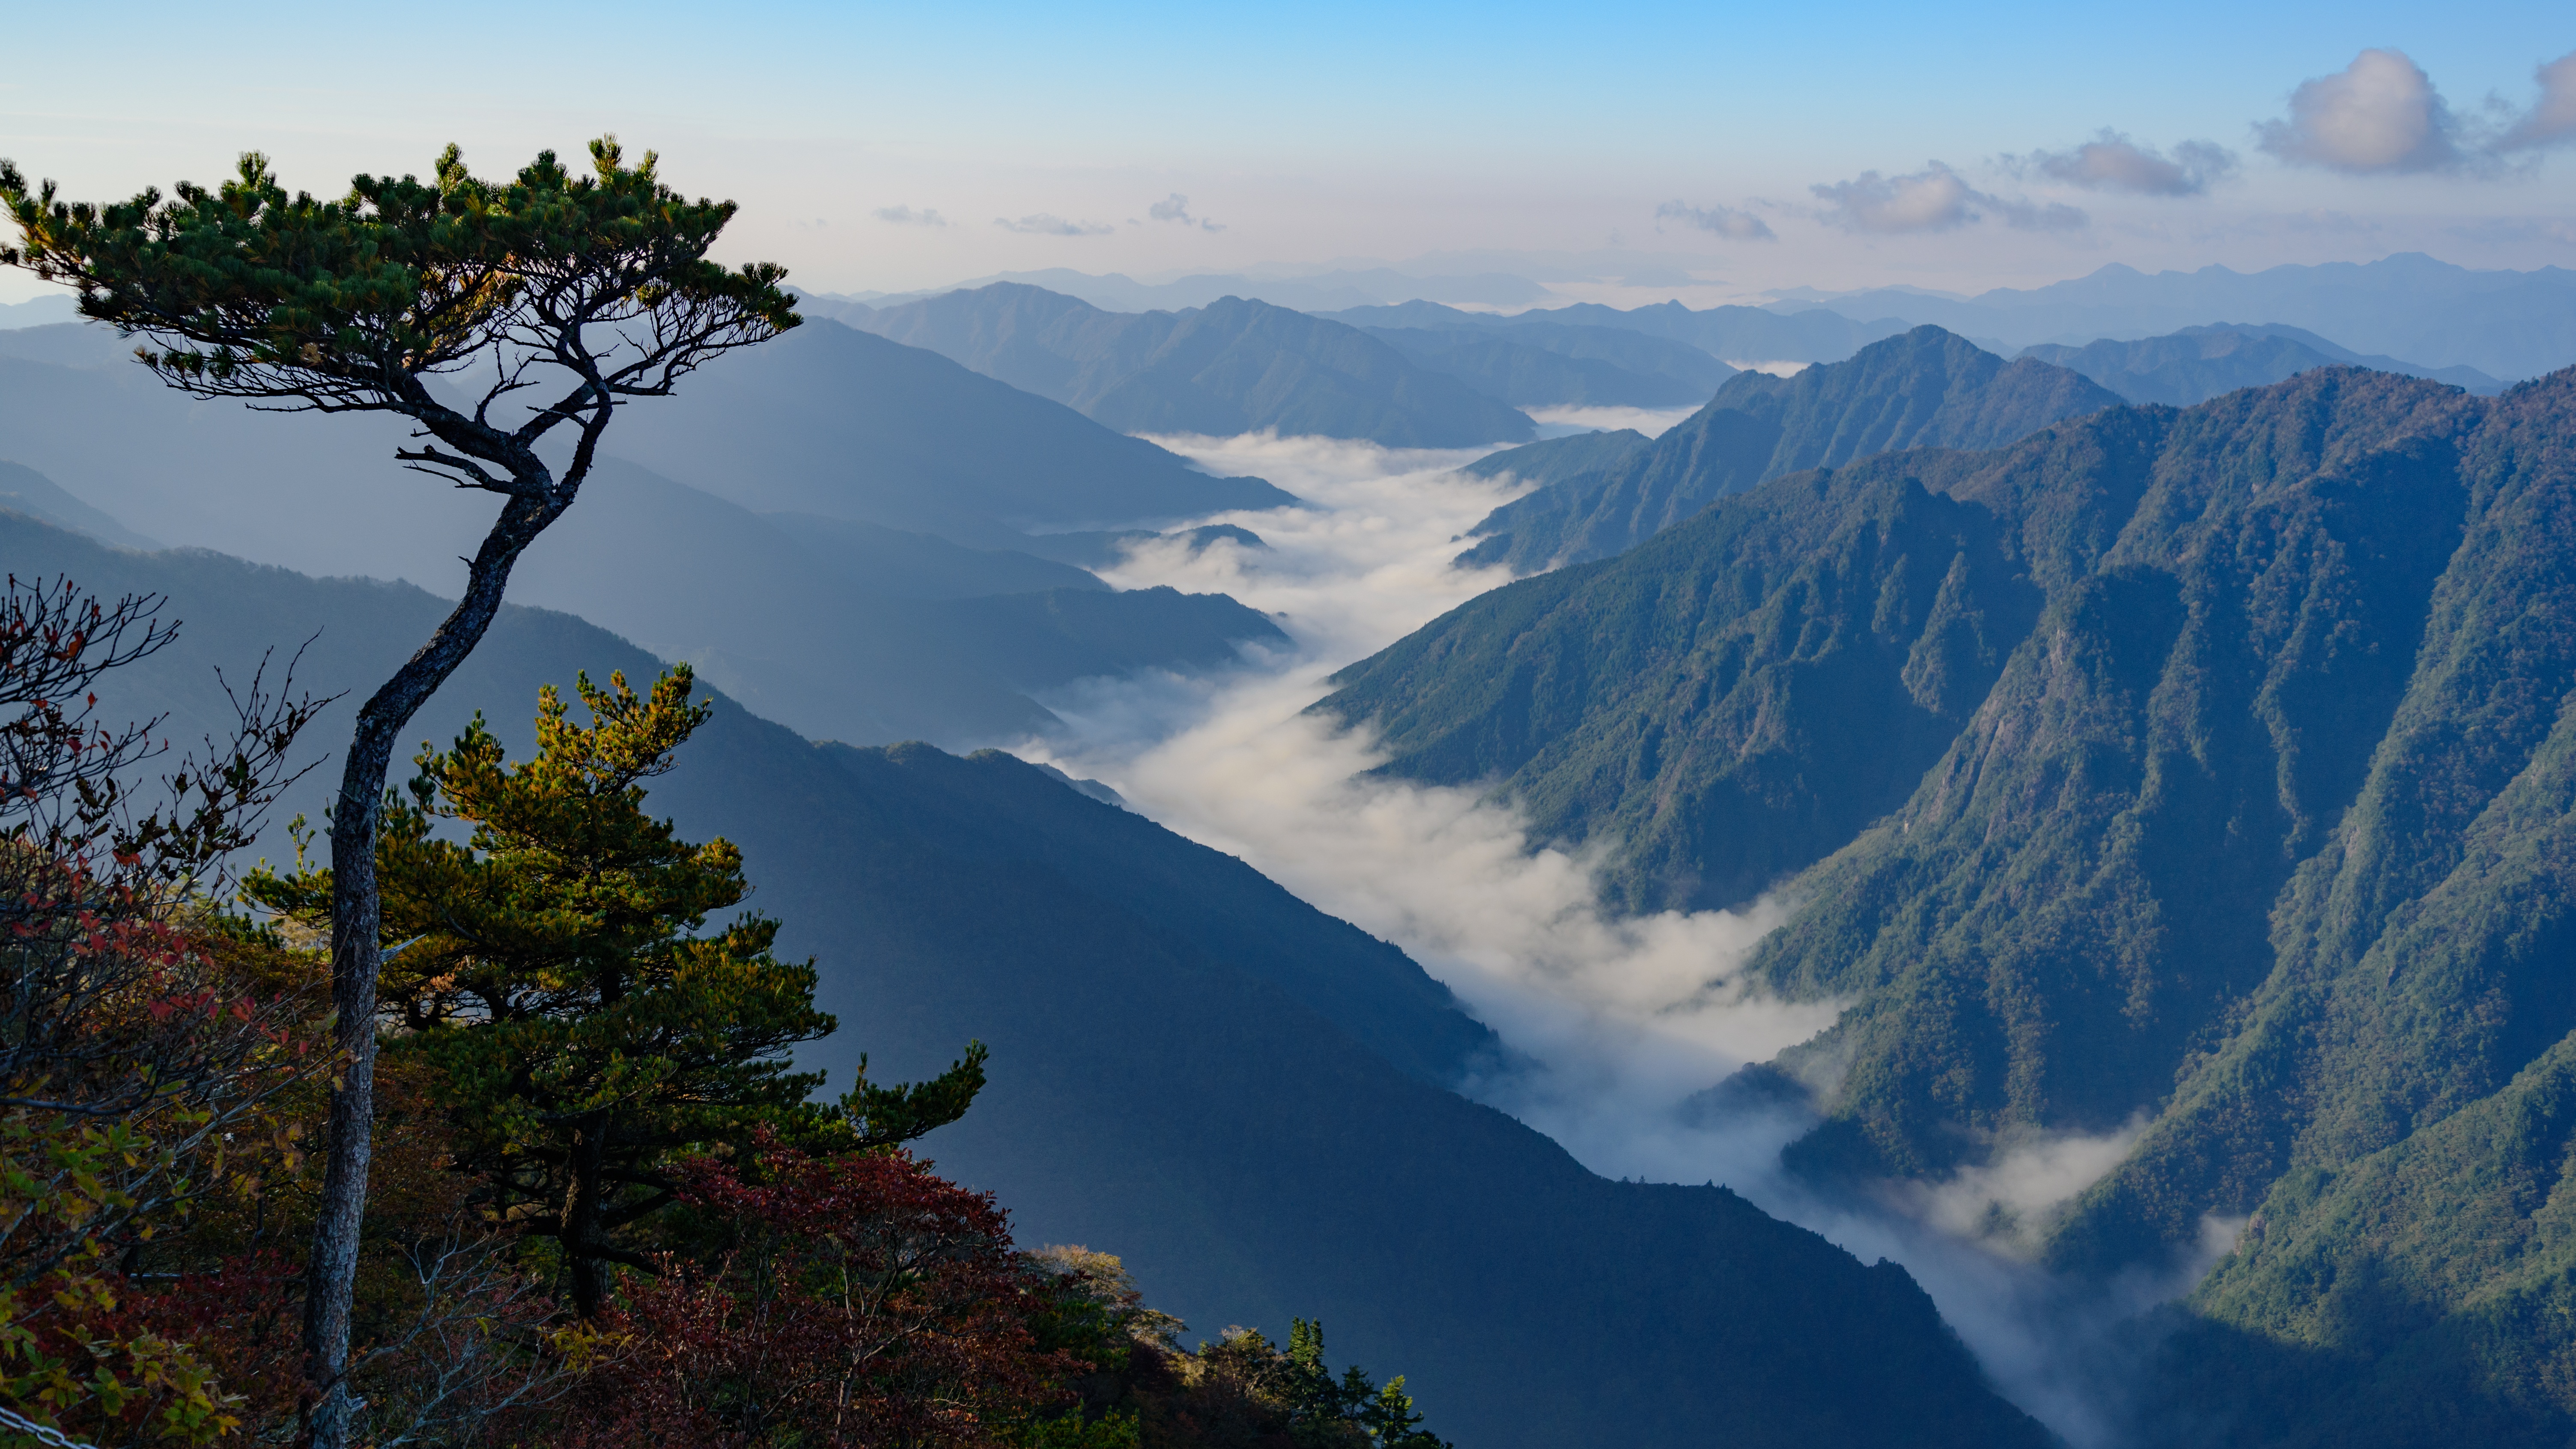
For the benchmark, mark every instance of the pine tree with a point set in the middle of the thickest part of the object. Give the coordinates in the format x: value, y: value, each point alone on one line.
x: 557, y: 971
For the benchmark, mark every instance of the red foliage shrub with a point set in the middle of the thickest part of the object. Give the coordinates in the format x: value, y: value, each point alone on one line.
x: 852, y: 1302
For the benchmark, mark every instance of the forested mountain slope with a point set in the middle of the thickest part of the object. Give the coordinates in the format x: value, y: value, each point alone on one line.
x: 1230, y: 367
x: 1190, y: 1067
x: 1925, y: 388
x: 2213, y: 766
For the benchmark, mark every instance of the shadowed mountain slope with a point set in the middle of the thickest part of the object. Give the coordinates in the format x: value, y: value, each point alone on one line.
x: 796, y: 621
x: 1230, y: 367
x: 839, y: 422
x: 822, y: 420
x: 24, y: 490
x: 1925, y: 388
x: 843, y: 629
x: 2211, y: 770
x: 1190, y: 1067
x: 2198, y: 363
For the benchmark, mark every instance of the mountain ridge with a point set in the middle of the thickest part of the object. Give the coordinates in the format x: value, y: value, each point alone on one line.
x: 1233, y: 366
x: 1924, y: 388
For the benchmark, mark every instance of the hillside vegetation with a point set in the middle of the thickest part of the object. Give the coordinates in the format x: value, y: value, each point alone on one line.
x: 2209, y: 767
x: 1244, y: 1097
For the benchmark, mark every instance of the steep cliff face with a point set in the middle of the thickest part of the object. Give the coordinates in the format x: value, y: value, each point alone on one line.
x: 2226, y: 783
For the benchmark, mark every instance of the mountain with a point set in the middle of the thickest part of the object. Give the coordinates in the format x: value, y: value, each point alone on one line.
x: 2198, y: 363
x: 24, y: 490
x: 797, y: 621
x: 38, y: 312
x: 1339, y: 287
x: 2506, y: 324
x: 1925, y: 388
x: 1557, y: 459
x: 1735, y: 335
x: 822, y: 420
x: 920, y: 565
x: 1230, y: 367
x: 843, y: 423
x: 1190, y: 1067
x: 2203, y: 777
x: 842, y: 629
x: 1541, y: 365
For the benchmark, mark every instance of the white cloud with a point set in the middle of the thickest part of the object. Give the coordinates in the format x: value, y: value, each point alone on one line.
x: 2113, y: 162
x: 906, y: 216
x: 1044, y: 224
x: 2379, y: 115
x: 1176, y: 207
x: 2552, y: 119
x: 1933, y: 199
x: 1725, y: 221
x: 2033, y: 216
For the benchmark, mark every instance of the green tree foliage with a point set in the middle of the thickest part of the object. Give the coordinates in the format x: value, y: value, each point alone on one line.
x: 1240, y: 1392
x: 567, y: 294
x: 557, y: 971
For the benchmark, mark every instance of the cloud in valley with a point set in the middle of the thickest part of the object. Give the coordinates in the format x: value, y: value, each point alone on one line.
x: 1621, y: 1023
x: 1044, y: 224
x: 2378, y: 116
x: 1725, y: 221
x: 906, y: 216
x: 2113, y: 162
x: 2551, y: 121
x: 1176, y: 207
x: 1934, y: 199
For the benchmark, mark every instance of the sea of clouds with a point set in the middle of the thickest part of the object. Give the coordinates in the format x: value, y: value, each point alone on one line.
x: 1616, y: 1023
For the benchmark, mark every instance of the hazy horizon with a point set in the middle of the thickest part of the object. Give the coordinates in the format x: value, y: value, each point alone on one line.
x: 1724, y: 155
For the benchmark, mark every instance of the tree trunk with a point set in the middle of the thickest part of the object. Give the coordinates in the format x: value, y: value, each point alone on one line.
x: 581, y: 1229
x: 356, y: 955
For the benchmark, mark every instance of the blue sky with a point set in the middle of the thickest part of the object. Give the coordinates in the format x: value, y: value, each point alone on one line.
x: 1344, y: 131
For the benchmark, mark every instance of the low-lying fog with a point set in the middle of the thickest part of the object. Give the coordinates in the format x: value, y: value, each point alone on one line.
x: 1620, y: 1020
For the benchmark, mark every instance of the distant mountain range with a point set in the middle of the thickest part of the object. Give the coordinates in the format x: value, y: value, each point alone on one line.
x: 1925, y: 388
x: 1230, y: 367
x: 38, y: 312
x: 824, y: 616
x: 1191, y: 1068
x: 2208, y: 769
x: 2198, y: 363
x: 2507, y: 324
x: 1735, y: 335
x: 1340, y: 287
x: 24, y: 490
x: 1543, y: 365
